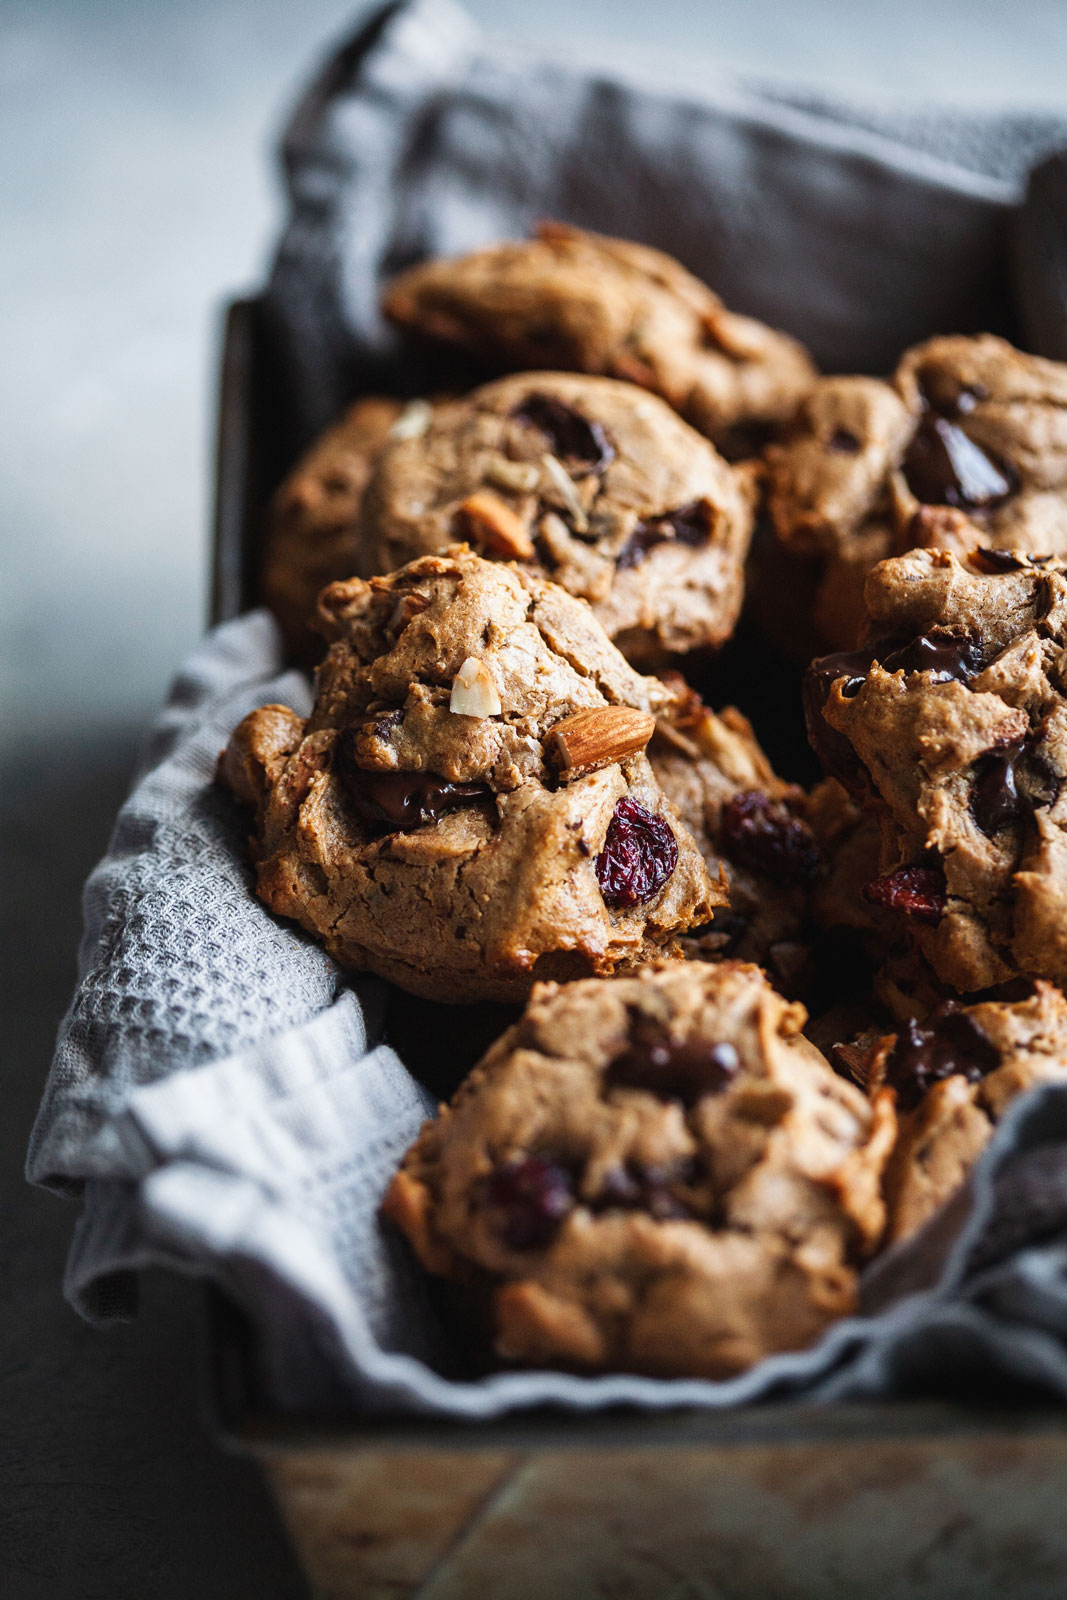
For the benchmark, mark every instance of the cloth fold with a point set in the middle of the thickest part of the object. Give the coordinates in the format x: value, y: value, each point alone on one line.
x: 222, y: 1101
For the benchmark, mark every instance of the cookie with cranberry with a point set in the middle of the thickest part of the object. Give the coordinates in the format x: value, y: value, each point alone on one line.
x: 582, y: 302
x: 469, y: 806
x: 952, y: 1077
x: 951, y: 723
x: 592, y: 482
x: 312, y: 531
x: 751, y: 828
x: 656, y: 1174
x: 965, y: 446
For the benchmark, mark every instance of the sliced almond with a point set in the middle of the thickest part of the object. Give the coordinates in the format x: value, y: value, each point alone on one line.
x: 598, y: 738
x: 521, y: 477
x: 567, y: 491
x: 413, y: 421
x: 474, y: 693
x: 494, y: 527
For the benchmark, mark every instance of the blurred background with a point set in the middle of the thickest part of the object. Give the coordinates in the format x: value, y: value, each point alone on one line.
x: 138, y: 190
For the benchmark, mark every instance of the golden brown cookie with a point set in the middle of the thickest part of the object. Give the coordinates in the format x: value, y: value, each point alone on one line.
x: 951, y: 722
x: 656, y: 1174
x: 592, y: 482
x: 469, y: 806
x: 586, y: 303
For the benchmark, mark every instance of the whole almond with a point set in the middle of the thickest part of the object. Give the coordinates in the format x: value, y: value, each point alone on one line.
x: 490, y: 524
x: 598, y: 738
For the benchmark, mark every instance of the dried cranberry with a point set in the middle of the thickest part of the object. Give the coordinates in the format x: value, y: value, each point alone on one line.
x: 951, y: 1043
x: 1010, y: 784
x: 392, y: 802
x: 943, y: 653
x: 531, y: 1197
x: 843, y: 442
x: 761, y: 833
x: 640, y: 853
x: 916, y: 891
x: 688, y: 525
x: 582, y: 444
x: 944, y: 467
x: 672, y: 1069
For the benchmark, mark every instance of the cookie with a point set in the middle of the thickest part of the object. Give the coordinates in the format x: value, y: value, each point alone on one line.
x: 591, y: 481
x: 751, y: 828
x: 311, y: 536
x: 657, y: 1174
x: 951, y: 723
x: 469, y: 806
x: 966, y: 446
x: 952, y: 1078
x: 585, y: 303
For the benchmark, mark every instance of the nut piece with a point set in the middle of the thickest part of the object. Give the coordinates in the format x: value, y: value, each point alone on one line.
x: 413, y: 421
x: 492, y: 525
x: 473, y: 691
x: 598, y: 738
x: 567, y: 492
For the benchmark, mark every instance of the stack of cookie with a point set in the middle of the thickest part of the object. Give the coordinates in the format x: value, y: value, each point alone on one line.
x: 509, y: 789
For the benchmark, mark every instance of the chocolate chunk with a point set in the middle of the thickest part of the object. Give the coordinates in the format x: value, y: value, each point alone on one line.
x: 832, y: 748
x: 843, y: 442
x: 762, y: 834
x: 944, y: 467
x: 997, y: 561
x: 582, y: 445
x: 642, y: 1187
x: 531, y: 1197
x: 943, y: 653
x: 640, y: 853
x: 689, y: 525
x: 916, y: 891
x: 1010, y: 784
x: 394, y: 802
x: 952, y: 1043
x: 672, y: 1069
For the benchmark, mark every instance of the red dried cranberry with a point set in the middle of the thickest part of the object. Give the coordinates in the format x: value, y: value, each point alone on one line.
x: 951, y: 1043
x: 943, y: 467
x: 640, y: 853
x: 761, y: 833
x: 582, y: 444
x: 531, y: 1197
x: 689, y: 525
x: 916, y: 891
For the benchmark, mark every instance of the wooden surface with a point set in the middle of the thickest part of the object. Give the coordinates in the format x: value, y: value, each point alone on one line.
x: 979, y: 1517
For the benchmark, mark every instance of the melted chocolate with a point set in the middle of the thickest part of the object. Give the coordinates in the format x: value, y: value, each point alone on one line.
x: 582, y: 445
x: 952, y: 1043
x: 689, y: 525
x: 396, y: 802
x: 1011, y: 784
x: 672, y: 1069
x: 843, y: 442
x: 642, y: 1186
x: 943, y: 653
x: 943, y: 467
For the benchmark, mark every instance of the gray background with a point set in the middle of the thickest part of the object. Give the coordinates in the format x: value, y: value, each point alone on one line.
x: 136, y: 192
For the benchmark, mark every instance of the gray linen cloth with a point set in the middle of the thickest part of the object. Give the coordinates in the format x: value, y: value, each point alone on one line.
x: 222, y: 1100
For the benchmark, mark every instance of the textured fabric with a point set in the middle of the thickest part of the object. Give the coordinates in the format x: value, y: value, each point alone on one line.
x: 221, y: 1100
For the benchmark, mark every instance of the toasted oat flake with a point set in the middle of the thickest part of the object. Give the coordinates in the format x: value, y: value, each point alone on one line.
x: 474, y: 693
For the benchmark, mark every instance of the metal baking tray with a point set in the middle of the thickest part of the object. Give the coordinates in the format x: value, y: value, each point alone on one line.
x: 912, y: 1499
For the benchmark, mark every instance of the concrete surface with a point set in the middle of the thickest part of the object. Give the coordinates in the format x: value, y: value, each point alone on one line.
x: 135, y: 191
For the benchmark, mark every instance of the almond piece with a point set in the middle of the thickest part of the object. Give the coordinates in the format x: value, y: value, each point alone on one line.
x: 474, y: 693
x: 490, y: 523
x: 598, y: 738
